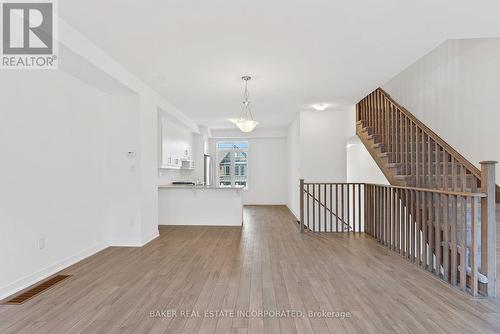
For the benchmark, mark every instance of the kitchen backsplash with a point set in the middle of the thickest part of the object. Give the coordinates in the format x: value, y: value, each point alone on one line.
x: 167, y: 176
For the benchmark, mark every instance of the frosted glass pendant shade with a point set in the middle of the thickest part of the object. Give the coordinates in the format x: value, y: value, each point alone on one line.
x: 246, y: 125
x: 245, y: 122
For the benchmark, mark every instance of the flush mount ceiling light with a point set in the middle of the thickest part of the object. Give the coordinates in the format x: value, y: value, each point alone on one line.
x: 245, y: 122
x: 320, y: 106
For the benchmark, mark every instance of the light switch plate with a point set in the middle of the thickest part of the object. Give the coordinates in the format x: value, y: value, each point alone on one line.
x: 41, y: 243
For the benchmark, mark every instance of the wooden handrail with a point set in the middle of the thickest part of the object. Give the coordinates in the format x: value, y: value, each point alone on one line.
x: 381, y: 108
x: 438, y: 212
x: 449, y: 233
x: 435, y: 191
x: 457, y: 156
x: 430, y: 190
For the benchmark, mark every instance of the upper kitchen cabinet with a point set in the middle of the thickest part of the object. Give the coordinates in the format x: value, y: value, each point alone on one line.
x: 176, y: 143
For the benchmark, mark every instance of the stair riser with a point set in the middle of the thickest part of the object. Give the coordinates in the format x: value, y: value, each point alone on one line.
x: 400, y: 137
x: 469, y: 187
x: 432, y: 167
x: 396, y: 156
x: 401, y: 171
x: 437, y: 183
x: 458, y: 180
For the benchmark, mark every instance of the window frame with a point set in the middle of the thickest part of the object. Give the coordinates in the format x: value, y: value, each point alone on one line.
x: 220, y: 153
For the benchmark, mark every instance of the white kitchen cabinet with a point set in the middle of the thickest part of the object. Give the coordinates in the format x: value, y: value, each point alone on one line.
x: 176, y: 146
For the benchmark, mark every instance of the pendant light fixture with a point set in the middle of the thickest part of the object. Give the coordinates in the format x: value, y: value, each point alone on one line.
x: 245, y: 122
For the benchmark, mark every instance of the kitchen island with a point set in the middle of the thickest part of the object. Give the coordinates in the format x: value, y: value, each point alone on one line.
x: 200, y: 205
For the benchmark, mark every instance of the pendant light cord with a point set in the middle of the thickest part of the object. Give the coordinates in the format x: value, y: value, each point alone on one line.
x: 246, y: 110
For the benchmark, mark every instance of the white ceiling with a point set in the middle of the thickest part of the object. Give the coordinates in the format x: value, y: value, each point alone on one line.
x: 299, y: 52
x: 87, y: 72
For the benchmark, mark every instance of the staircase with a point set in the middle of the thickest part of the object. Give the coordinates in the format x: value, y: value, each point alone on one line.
x: 413, y: 157
x: 439, y: 211
x: 408, y: 152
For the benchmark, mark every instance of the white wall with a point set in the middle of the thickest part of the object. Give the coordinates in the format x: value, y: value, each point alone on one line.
x: 323, y: 137
x: 454, y: 91
x: 360, y: 165
x: 65, y: 174
x: 53, y: 180
x: 316, y: 149
x: 293, y: 162
x: 267, y: 166
x: 266, y: 171
x: 122, y: 176
x: 149, y: 103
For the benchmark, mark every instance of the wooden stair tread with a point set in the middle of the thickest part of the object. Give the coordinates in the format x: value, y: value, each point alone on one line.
x: 410, y: 154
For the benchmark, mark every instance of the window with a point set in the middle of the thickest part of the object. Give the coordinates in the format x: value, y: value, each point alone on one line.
x: 232, y: 159
x: 240, y: 170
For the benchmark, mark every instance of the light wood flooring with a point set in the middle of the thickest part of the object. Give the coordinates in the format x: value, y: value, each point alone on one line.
x: 265, y: 265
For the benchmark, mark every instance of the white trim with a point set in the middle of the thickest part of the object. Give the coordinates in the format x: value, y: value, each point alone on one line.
x: 133, y: 242
x: 42, y: 274
x: 125, y: 243
x: 152, y: 237
x: 293, y: 213
x: 264, y: 203
x: 205, y: 223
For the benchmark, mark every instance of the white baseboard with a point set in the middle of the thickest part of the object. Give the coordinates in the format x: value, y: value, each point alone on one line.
x: 133, y: 242
x: 153, y: 236
x: 42, y: 274
x: 125, y: 243
x: 293, y: 213
x: 265, y: 203
x: 205, y: 223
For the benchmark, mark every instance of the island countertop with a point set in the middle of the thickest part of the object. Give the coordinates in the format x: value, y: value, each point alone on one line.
x: 200, y: 205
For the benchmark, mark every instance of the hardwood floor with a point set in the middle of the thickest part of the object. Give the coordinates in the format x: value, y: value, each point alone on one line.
x: 266, y: 265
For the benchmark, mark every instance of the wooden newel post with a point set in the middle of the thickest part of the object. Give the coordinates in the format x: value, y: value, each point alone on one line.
x: 488, y: 225
x: 301, y: 199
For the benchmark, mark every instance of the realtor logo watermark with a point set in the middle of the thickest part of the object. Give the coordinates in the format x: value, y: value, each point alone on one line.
x: 28, y: 31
